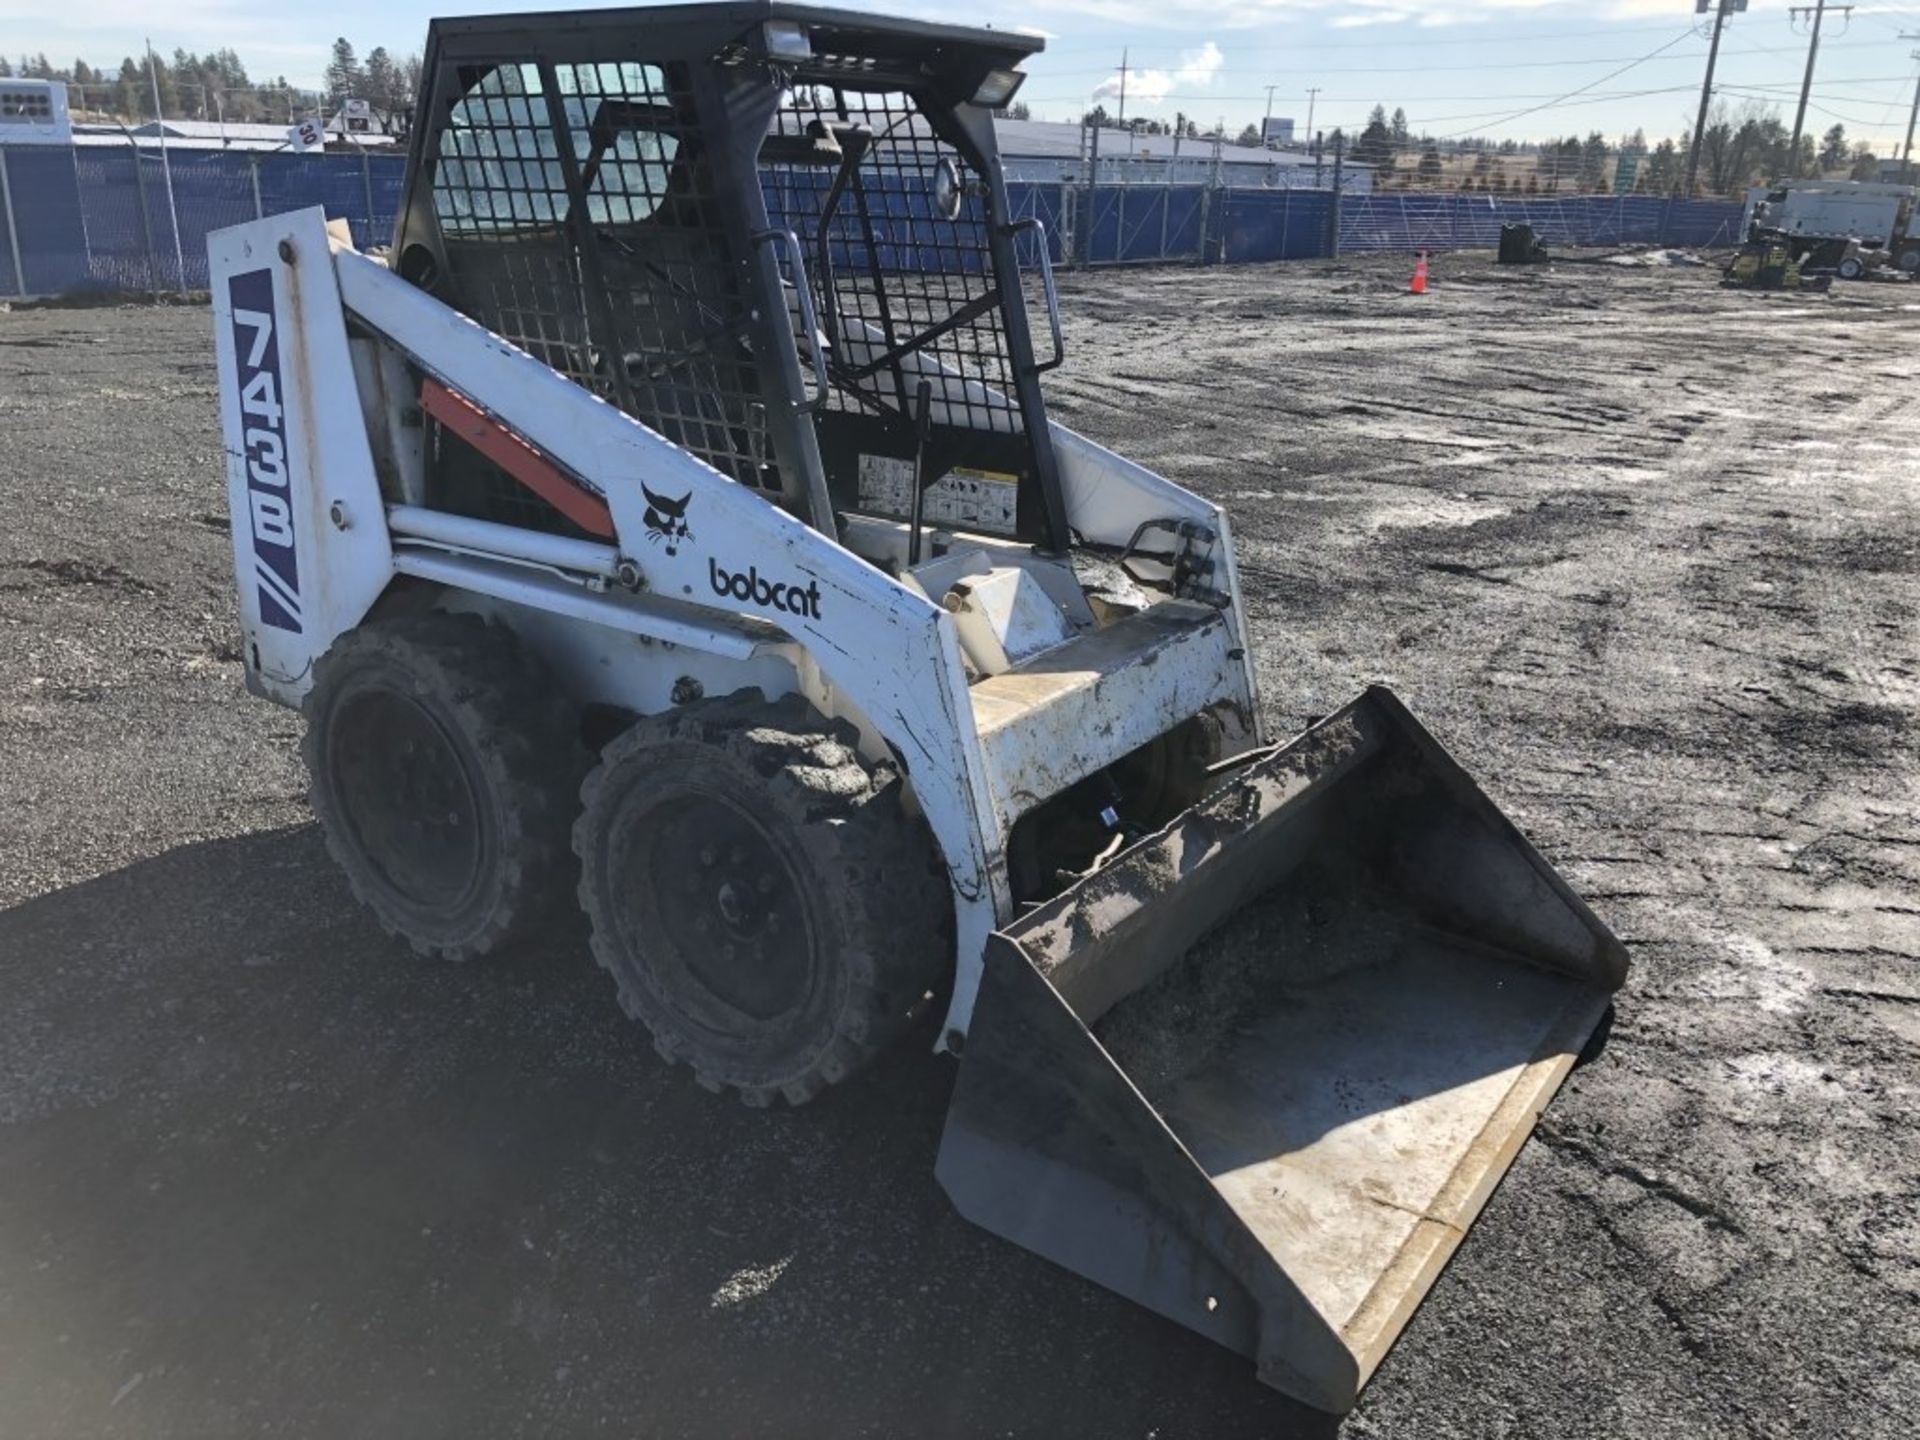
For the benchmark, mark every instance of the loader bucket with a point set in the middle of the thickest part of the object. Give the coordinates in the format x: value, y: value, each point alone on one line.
x: 1261, y: 1071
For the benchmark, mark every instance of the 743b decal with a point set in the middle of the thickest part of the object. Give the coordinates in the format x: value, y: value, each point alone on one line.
x: 269, y: 521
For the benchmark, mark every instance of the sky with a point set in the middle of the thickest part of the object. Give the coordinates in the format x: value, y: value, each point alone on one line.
x: 1518, y: 69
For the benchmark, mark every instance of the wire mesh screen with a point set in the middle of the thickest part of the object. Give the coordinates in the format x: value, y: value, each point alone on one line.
x: 681, y: 312
x: 500, y: 195
x: 671, y: 348
x: 906, y: 294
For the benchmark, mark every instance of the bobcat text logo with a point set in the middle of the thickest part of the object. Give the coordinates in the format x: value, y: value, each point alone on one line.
x: 263, y: 447
x: 749, y: 589
x: 667, y: 519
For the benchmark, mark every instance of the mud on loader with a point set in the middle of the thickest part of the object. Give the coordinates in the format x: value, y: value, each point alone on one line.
x: 671, y: 518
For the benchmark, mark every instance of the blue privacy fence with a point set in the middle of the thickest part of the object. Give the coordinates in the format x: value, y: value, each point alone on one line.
x: 1275, y: 225
x: 101, y: 219
x: 98, y: 218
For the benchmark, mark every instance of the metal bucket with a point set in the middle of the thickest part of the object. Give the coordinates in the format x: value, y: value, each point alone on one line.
x: 1261, y: 1071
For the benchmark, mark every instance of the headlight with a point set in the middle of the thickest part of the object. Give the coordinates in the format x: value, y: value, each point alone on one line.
x: 998, y: 88
x: 787, y: 40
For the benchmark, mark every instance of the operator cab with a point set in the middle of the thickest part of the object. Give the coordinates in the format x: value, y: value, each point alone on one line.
x: 779, y: 236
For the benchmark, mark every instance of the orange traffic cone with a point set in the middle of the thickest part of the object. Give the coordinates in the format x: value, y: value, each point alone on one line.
x: 1419, y: 286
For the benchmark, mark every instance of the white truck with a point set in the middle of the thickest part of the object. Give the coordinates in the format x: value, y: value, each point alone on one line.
x: 1817, y: 212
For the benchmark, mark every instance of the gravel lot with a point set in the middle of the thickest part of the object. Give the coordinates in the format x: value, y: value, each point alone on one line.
x: 1643, y: 553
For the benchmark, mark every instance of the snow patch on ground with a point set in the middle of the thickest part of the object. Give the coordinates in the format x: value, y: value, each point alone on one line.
x: 748, y: 1283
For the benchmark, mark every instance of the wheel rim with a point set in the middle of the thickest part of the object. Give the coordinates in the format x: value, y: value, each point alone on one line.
x: 717, y: 907
x: 401, y: 783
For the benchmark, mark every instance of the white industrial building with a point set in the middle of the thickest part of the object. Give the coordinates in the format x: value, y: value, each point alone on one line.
x: 1046, y: 151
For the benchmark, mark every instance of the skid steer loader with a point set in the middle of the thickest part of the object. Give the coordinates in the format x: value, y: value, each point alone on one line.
x: 671, y: 520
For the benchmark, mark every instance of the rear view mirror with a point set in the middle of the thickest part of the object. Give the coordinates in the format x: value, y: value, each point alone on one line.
x: 946, y: 190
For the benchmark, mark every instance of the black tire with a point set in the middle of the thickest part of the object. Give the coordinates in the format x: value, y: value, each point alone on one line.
x: 444, y: 767
x: 1909, y: 260
x: 1851, y: 268
x: 764, y: 904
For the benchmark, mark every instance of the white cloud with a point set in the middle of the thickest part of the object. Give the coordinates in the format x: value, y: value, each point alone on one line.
x: 1646, y: 9
x: 1198, y: 69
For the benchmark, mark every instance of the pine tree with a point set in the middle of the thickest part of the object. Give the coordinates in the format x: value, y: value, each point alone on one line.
x: 343, y: 74
x: 1835, y: 152
x: 128, y: 94
x: 383, y: 86
x: 1375, y: 145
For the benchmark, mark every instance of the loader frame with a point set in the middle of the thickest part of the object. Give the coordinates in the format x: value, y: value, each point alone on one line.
x: 329, y: 524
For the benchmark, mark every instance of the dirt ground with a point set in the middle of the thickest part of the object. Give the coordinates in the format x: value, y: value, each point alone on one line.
x: 1644, y: 554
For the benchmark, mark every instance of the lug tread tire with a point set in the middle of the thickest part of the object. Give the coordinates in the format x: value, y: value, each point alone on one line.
x: 883, y: 889
x: 525, y: 735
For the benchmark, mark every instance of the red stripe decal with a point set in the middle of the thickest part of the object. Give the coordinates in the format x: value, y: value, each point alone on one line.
x: 462, y: 418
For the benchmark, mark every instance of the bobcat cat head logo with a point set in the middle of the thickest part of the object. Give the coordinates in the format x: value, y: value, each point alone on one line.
x: 667, y: 519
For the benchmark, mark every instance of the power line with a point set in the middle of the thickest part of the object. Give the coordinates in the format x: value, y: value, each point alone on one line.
x: 1051, y: 74
x: 1859, y: 121
x: 1785, y: 87
x: 1423, y: 43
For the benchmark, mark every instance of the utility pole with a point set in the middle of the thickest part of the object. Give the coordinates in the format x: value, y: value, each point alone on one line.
x: 1906, y: 156
x: 1818, y: 10
x: 1123, y: 92
x: 1267, y: 124
x: 1720, y: 12
x: 1313, y: 93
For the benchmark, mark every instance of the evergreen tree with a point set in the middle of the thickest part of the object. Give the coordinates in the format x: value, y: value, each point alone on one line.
x: 344, y: 76
x: 129, y: 94
x: 1375, y: 145
x: 384, y: 88
x: 1835, y: 152
x: 1593, y: 163
x: 1661, y: 173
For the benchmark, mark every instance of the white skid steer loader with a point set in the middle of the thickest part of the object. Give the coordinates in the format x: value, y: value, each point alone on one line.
x: 671, y: 518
